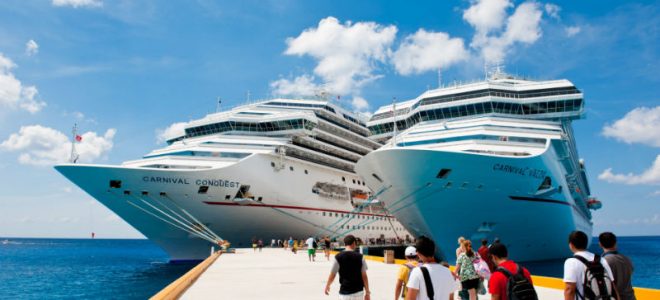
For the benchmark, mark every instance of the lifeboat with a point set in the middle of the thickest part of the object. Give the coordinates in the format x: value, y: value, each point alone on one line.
x: 594, y: 204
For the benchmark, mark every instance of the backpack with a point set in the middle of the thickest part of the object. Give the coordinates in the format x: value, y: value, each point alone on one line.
x: 314, y: 244
x: 597, y: 285
x: 405, y: 288
x: 517, y: 285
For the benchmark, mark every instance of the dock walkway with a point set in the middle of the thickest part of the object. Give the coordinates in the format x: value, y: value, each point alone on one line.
x: 280, y: 274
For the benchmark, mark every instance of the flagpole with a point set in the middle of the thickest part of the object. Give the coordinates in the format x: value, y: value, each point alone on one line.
x: 394, y: 117
x: 74, y: 132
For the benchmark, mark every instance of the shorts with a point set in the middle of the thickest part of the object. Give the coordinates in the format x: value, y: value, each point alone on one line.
x: 355, y: 296
x: 470, y: 284
x: 311, y: 251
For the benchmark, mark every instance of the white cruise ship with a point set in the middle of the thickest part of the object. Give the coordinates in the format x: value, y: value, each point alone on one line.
x: 270, y: 170
x: 492, y: 159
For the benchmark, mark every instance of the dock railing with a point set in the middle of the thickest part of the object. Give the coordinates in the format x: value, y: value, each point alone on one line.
x: 175, y: 289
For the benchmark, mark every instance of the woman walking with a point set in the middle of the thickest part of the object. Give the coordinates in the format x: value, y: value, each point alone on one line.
x: 466, y: 271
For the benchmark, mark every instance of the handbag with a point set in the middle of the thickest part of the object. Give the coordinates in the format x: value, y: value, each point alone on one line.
x: 481, y: 267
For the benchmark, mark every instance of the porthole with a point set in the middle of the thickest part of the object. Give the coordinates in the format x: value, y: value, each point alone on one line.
x: 291, y: 168
x: 343, y: 179
x: 353, y: 181
x: 272, y: 164
x: 306, y: 172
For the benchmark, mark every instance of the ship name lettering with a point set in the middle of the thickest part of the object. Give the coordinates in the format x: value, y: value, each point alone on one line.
x: 536, y: 173
x: 158, y: 179
x: 217, y: 182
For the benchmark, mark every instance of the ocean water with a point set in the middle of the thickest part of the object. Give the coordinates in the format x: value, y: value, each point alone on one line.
x: 84, y: 269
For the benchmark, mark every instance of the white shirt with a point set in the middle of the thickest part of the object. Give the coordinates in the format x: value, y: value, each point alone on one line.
x: 574, y: 270
x: 310, y: 243
x: 443, y: 282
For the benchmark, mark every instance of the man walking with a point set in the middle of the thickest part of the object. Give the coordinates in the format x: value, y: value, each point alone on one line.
x: 483, y: 252
x: 311, y: 249
x: 508, y: 270
x: 430, y: 280
x: 576, y: 268
x: 352, y: 269
x: 404, y: 272
x: 621, y: 266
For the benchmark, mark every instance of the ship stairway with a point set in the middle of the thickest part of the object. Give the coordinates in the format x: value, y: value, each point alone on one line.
x: 165, y: 209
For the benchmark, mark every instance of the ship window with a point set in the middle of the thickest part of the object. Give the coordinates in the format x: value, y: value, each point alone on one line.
x: 464, y: 185
x: 353, y: 181
x: 115, y: 184
x: 227, y: 197
x: 260, y: 198
x: 448, y: 185
x: 291, y: 168
x: 343, y: 179
x: 144, y: 193
x: 306, y: 172
x: 363, y: 183
x: 443, y: 173
x: 163, y: 194
x: 127, y: 192
x: 324, y: 214
x: 359, y: 182
x: 203, y: 189
x: 272, y: 164
x: 546, y: 184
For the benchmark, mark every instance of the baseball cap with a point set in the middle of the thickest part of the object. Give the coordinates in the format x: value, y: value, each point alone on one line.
x: 411, y: 251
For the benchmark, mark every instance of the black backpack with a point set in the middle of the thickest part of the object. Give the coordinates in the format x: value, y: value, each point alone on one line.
x: 597, y: 285
x: 314, y: 244
x: 517, y: 285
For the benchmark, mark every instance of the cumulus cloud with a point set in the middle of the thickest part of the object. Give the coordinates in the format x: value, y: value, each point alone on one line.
x: 13, y: 93
x: 173, y: 131
x: 523, y: 26
x: 649, y: 176
x: 425, y: 51
x: 347, y: 54
x: 78, y: 3
x: 44, y: 146
x: 31, y: 48
x: 640, y: 125
x: 572, y: 30
x: 300, y: 86
x: 552, y: 10
x: 359, y: 103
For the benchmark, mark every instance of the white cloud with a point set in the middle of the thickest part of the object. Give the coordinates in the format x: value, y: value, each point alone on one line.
x: 31, y: 48
x: 486, y: 15
x: 172, y: 131
x: 44, y: 146
x: 572, y: 30
x: 649, y: 176
x: 425, y: 51
x: 640, y: 125
x: 347, y: 54
x: 523, y: 26
x: 300, y: 86
x: 552, y: 10
x: 12, y: 92
x: 78, y: 3
x: 359, y: 103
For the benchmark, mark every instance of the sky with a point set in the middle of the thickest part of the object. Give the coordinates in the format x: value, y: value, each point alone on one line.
x: 132, y: 73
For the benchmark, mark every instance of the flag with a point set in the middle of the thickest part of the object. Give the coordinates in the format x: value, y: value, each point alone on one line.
x: 78, y: 138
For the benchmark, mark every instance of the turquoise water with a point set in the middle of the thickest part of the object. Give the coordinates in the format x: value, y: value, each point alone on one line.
x: 137, y: 269
x: 89, y: 269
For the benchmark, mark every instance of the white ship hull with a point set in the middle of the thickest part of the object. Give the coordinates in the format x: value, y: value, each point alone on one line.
x: 483, y: 196
x: 288, y: 207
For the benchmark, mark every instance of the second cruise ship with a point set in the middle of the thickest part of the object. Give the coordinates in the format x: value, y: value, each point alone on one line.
x: 491, y: 159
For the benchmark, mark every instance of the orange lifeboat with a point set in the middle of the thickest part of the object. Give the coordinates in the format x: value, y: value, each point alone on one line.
x: 594, y: 204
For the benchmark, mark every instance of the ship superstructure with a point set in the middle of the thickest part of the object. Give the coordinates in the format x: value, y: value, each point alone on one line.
x: 490, y: 159
x: 273, y: 169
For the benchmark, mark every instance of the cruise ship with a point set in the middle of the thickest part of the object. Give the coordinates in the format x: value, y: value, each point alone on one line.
x: 494, y: 159
x: 273, y: 169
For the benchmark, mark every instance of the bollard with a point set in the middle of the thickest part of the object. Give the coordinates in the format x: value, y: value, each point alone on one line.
x: 388, y: 256
x: 212, y: 250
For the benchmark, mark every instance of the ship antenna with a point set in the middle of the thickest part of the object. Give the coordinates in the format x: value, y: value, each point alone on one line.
x: 217, y: 107
x: 248, y: 96
x: 74, y: 155
x: 439, y: 78
x: 394, y: 118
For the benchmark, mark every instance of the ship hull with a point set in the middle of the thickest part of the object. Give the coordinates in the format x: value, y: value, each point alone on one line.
x: 482, y: 196
x: 284, y: 205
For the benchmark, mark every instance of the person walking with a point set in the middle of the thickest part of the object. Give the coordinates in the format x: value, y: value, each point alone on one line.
x: 327, y: 248
x: 311, y: 249
x: 460, y: 248
x: 404, y: 272
x: 352, y: 269
x: 254, y: 244
x: 582, y: 265
x: 621, y: 266
x: 260, y: 244
x: 485, y: 255
x: 507, y: 270
x: 466, y: 271
x: 431, y: 280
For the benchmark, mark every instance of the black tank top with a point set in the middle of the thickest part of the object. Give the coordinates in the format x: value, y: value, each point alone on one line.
x: 350, y: 272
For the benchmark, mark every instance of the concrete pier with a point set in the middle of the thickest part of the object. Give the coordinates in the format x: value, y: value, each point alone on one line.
x: 279, y: 274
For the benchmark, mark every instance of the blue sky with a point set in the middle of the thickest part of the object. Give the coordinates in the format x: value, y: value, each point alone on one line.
x: 127, y: 70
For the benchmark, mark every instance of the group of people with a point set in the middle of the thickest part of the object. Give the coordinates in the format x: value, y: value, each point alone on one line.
x: 586, y: 275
